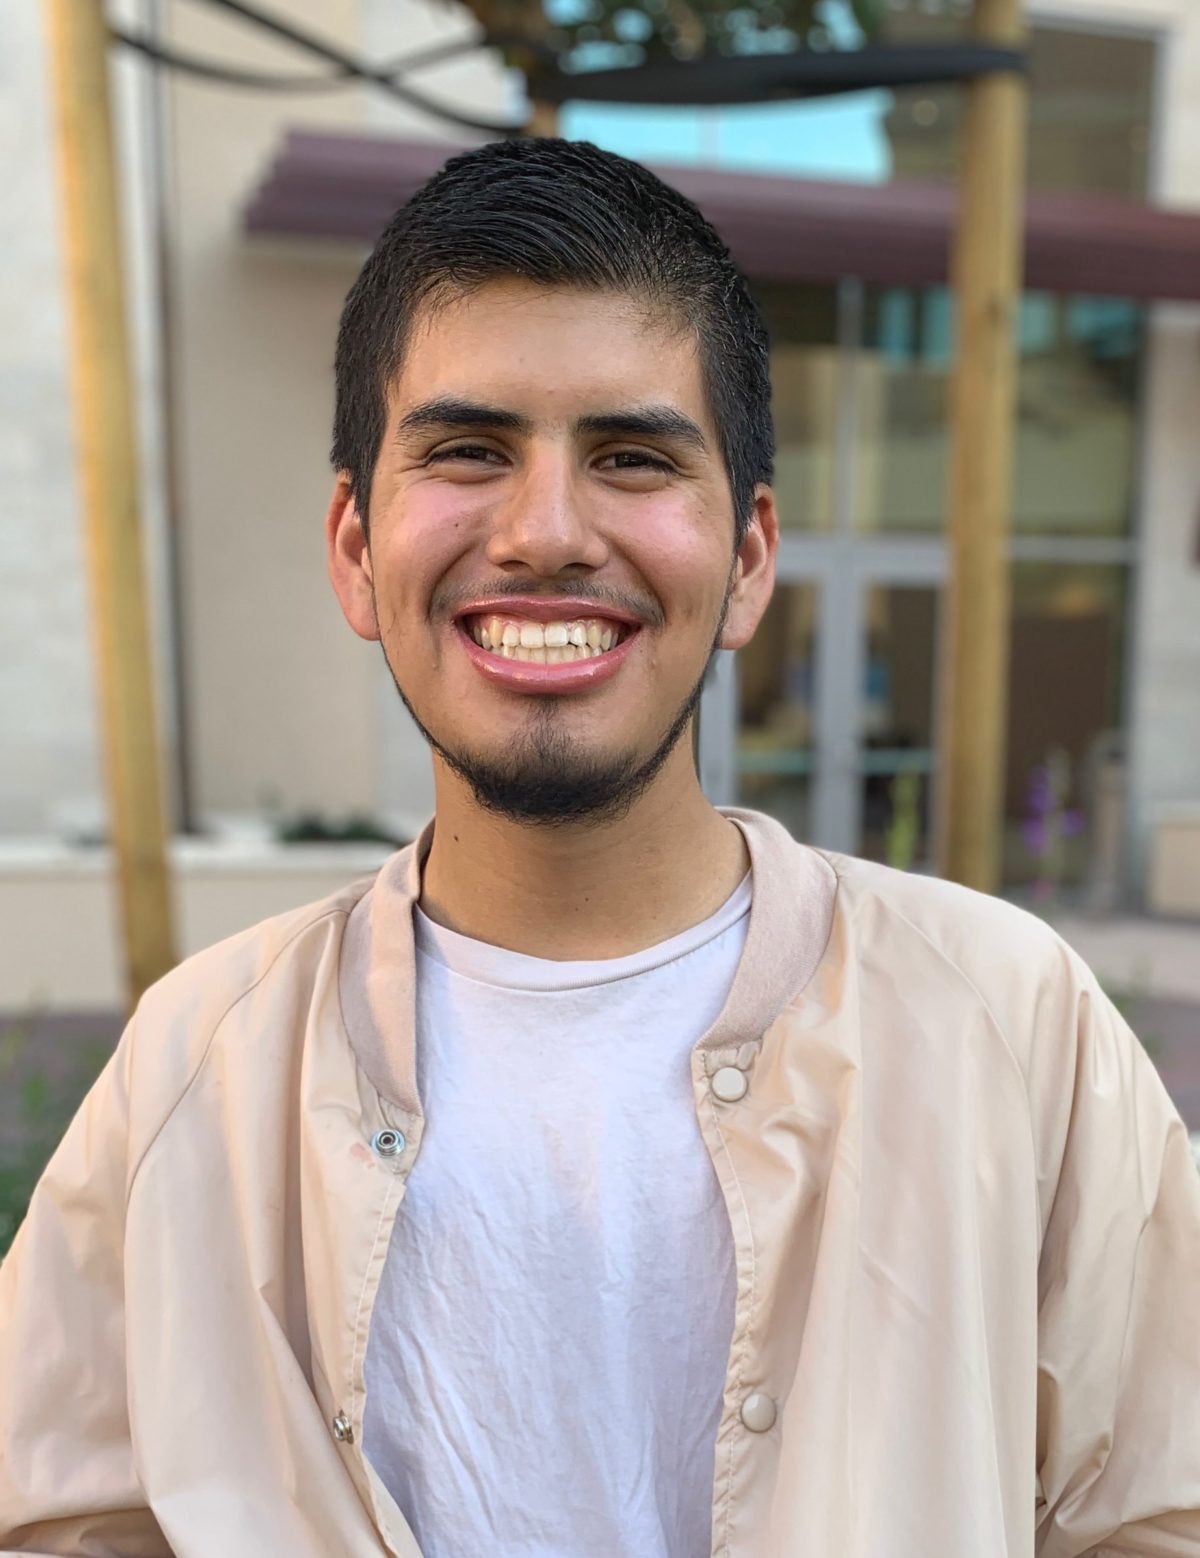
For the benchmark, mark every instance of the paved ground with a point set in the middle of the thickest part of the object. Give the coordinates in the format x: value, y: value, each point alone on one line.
x: 1152, y: 968
x: 46, y: 1066
x: 1159, y: 957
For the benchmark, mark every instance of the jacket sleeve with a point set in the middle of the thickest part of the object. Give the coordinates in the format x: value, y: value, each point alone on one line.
x: 68, y: 1483
x: 1119, y: 1304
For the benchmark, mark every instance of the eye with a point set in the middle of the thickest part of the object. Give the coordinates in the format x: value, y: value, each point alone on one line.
x: 636, y: 460
x: 471, y: 453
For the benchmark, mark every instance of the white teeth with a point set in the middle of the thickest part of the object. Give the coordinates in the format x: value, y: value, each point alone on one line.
x: 550, y: 643
x: 568, y: 653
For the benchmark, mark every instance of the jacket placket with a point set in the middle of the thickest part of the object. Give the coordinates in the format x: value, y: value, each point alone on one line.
x: 365, y: 1153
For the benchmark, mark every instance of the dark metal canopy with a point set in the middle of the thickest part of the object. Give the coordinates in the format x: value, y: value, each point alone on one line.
x: 758, y: 78
x: 337, y: 186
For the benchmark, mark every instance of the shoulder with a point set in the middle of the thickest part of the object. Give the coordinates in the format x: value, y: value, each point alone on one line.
x: 263, y: 976
x: 210, y: 980
x: 967, y: 927
x: 926, y: 932
x: 934, y: 943
x: 983, y: 972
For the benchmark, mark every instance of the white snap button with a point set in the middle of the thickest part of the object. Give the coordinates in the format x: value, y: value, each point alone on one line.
x: 758, y: 1412
x: 388, y: 1143
x: 729, y: 1084
x: 342, y: 1430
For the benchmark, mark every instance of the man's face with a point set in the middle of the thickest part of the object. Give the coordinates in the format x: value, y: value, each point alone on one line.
x: 551, y: 557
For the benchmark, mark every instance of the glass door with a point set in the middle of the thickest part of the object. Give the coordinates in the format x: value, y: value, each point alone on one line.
x: 826, y: 720
x: 875, y: 722
x: 777, y: 722
x: 896, y: 741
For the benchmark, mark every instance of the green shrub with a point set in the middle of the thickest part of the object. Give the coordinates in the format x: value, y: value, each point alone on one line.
x: 42, y: 1081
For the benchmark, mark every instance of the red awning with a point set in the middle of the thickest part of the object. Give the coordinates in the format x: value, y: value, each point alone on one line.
x: 323, y: 185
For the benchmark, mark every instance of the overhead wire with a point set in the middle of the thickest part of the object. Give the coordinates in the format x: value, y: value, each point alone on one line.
x: 347, y: 69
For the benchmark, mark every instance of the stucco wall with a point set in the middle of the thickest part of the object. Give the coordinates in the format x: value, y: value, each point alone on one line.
x: 1166, y: 725
x: 1165, y: 667
x: 47, y: 726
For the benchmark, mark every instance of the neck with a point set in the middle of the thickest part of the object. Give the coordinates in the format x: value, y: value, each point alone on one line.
x: 584, y: 891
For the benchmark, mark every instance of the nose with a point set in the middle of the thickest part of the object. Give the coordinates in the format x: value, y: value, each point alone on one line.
x: 545, y: 523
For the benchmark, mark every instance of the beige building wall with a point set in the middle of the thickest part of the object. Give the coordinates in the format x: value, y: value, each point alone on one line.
x: 51, y: 775
x: 1165, y: 665
x: 49, y: 770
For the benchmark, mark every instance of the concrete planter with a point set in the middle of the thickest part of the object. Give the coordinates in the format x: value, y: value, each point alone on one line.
x: 60, y: 950
x: 1173, y: 879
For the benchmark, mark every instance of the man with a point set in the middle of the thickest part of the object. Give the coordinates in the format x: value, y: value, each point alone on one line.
x: 611, y: 1176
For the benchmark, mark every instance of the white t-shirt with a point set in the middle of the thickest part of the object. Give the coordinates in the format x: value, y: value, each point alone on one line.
x: 548, y: 1348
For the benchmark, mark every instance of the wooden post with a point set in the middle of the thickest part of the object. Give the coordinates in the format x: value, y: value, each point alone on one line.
x: 985, y: 271
x: 78, y: 49
x: 543, y: 116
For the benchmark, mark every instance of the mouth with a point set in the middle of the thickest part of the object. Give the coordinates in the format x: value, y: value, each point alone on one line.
x: 523, y: 647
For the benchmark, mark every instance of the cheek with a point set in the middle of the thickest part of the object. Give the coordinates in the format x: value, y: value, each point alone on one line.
x: 684, y: 557
x: 424, y: 538
x: 434, y: 519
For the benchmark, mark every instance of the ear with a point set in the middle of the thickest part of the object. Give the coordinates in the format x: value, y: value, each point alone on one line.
x: 349, y: 559
x: 754, y: 572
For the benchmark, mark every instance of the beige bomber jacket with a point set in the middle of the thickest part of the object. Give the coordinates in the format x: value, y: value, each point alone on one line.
x: 966, y: 1219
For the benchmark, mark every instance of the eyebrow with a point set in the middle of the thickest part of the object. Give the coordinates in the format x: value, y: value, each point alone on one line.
x: 448, y: 411
x: 646, y: 422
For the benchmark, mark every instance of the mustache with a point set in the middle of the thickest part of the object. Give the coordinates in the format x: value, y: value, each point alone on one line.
x: 645, y: 607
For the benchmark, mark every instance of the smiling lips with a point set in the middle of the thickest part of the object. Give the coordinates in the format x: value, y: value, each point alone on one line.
x: 541, y: 654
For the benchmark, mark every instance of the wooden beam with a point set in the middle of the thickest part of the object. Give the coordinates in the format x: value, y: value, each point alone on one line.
x: 543, y: 116
x: 985, y: 273
x: 108, y: 471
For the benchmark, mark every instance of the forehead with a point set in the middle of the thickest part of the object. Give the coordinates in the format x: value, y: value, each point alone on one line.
x: 556, y: 346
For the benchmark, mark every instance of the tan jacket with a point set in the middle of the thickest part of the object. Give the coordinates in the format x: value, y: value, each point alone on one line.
x: 966, y: 1219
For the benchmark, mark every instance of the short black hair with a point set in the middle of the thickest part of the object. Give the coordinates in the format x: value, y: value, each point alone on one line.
x: 560, y: 213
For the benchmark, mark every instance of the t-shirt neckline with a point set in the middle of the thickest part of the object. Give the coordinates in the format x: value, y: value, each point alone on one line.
x: 486, y: 963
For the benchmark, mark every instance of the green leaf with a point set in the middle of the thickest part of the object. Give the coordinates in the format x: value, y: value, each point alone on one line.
x: 35, y: 1097
x: 606, y: 32
x: 870, y: 15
